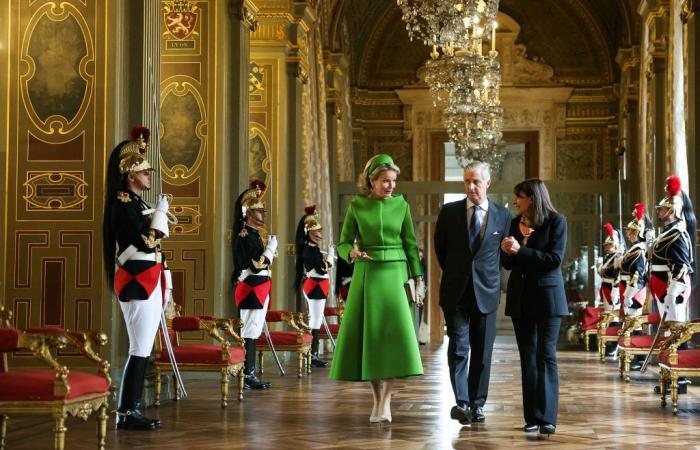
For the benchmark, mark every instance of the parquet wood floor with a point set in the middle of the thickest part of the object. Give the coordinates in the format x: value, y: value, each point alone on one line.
x: 597, y: 410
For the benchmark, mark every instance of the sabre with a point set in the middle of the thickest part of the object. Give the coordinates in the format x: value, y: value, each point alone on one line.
x: 653, y: 344
x: 272, y: 348
x: 171, y: 218
x: 171, y: 356
x: 328, y: 332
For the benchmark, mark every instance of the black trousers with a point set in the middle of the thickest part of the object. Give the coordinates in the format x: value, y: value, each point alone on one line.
x: 537, y: 343
x: 468, y: 328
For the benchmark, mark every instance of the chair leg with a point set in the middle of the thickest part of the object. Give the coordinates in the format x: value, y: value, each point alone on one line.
x: 621, y: 363
x: 300, y: 364
x: 308, y: 363
x: 241, y: 384
x: 586, y: 340
x: 177, y: 389
x: 260, y: 363
x: 224, y: 387
x: 628, y: 361
x: 102, y: 417
x: 674, y: 392
x: 662, y: 385
x: 3, y: 430
x: 59, y: 430
x: 157, y: 387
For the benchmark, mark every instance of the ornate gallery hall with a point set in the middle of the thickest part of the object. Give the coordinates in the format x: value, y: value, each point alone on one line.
x: 198, y: 195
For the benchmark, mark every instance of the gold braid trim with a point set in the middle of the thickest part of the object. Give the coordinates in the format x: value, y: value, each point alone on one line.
x: 260, y: 263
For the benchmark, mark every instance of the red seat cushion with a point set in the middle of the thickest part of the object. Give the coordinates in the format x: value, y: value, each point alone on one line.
x: 275, y: 315
x: 654, y: 318
x: 8, y: 339
x: 186, y: 323
x: 612, y: 331
x: 330, y: 311
x: 37, y: 385
x: 284, y: 338
x: 202, y: 354
x: 686, y: 359
x: 637, y: 341
x: 334, y: 327
x: 591, y: 317
x: 49, y: 329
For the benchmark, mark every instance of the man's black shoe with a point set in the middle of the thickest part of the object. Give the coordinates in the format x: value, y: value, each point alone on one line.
x: 460, y: 413
x: 133, y: 420
x: 317, y: 362
x: 478, y: 414
x: 530, y: 427
x: 548, y: 429
x: 253, y: 382
x: 137, y: 410
x: 682, y: 389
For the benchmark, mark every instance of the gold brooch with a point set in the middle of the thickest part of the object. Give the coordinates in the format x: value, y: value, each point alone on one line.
x: 124, y: 196
x: 243, y: 233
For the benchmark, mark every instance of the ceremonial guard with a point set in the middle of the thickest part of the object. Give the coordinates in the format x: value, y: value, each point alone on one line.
x: 609, y: 269
x: 343, y: 277
x: 633, y: 274
x: 252, y: 274
x: 672, y: 261
x: 142, y: 283
x: 312, y: 276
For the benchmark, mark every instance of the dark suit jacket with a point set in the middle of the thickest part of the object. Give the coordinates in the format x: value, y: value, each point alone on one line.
x: 536, y: 284
x: 459, y: 264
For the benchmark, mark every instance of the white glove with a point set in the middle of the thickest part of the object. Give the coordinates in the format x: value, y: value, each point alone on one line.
x: 630, y: 292
x: 674, y: 290
x: 420, y: 291
x: 615, y: 297
x: 163, y: 204
x: 271, y: 249
x: 159, y: 221
x: 168, y: 287
x: 330, y: 257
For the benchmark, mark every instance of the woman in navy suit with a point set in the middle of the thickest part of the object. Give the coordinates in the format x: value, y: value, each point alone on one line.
x: 535, y: 300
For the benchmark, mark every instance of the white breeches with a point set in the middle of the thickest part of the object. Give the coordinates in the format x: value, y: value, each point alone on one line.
x: 316, y: 308
x: 142, y: 318
x: 253, y: 321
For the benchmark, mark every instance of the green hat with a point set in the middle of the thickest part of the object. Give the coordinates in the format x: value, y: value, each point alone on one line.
x: 379, y: 160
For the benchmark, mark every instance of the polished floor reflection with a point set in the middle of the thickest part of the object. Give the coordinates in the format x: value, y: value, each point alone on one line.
x: 597, y: 410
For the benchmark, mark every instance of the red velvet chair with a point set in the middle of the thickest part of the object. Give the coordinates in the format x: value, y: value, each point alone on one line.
x: 675, y: 363
x: 630, y: 345
x: 607, y: 333
x: 589, y: 323
x: 297, y: 341
x: 56, y: 391
x: 223, y: 357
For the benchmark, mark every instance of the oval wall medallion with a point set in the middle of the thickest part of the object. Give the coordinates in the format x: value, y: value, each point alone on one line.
x: 57, y: 56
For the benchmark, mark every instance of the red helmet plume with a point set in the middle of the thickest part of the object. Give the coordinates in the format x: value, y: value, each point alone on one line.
x: 310, y: 209
x: 609, y: 230
x: 140, y: 131
x: 639, y: 211
x: 673, y: 185
x: 258, y: 184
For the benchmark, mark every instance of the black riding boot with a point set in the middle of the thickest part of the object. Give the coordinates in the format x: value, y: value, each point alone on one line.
x: 251, y: 378
x: 129, y: 416
x: 315, y: 360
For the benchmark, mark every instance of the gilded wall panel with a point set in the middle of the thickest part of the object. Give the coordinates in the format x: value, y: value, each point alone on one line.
x: 263, y: 89
x: 188, y: 105
x: 55, y: 156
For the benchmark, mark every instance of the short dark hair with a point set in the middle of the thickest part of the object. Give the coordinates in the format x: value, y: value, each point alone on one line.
x: 542, y: 206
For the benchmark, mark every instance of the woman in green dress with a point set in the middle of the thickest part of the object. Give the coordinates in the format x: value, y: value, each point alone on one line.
x: 377, y: 341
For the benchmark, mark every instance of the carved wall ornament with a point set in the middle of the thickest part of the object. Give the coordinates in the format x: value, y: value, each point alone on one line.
x: 180, y: 19
x: 688, y: 8
x: 530, y: 70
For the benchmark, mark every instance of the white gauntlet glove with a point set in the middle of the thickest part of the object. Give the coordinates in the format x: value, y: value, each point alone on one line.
x: 271, y: 249
x: 330, y: 256
x: 159, y: 221
x: 615, y: 296
x: 675, y: 289
x: 420, y: 291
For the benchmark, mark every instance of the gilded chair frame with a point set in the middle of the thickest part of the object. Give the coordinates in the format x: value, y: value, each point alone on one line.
x: 605, y: 318
x: 680, y: 332
x: 625, y: 351
x: 303, y: 350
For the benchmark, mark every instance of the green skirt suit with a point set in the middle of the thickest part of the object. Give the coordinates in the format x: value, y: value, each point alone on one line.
x: 377, y: 339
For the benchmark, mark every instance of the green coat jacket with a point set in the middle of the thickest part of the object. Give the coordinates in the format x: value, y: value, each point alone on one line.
x: 384, y: 229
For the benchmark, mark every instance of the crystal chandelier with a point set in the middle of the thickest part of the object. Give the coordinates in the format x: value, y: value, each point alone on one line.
x: 449, y: 24
x: 464, y: 82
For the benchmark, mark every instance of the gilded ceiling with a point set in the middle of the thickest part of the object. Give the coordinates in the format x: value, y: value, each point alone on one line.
x: 578, y: 38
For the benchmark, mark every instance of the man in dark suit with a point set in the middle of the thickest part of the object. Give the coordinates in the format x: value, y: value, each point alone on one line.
x: 468, y: 236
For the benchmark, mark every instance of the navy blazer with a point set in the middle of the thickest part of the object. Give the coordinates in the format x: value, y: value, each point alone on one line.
x: 459, y: 264
x: 536, y: 283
